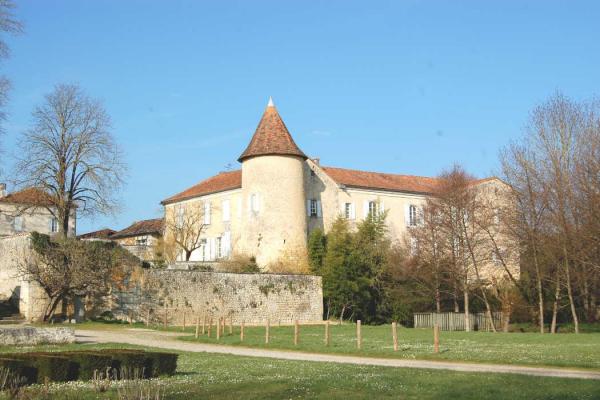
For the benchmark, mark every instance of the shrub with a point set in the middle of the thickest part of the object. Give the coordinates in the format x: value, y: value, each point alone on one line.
x: 161, y: 363
x: 89, y: 362
x: 128, y: 361
x: 18, y: 369
x: 49, y: 366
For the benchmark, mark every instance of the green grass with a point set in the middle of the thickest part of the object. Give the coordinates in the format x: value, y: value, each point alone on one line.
x: 213, y: 376
x: 564, y: 350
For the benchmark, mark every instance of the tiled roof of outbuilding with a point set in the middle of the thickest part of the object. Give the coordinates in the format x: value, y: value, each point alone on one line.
x: 145, y: 227
x: 100, y: 234
x: 271, y: 137
x: 218, y: 183
x: 28, y: 196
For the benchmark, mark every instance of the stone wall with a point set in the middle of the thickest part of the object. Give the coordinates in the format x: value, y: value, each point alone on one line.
x: 251, y: 298
x: 28, y: 336
x: 31, y: 299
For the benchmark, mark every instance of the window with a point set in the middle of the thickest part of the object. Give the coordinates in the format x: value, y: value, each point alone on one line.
x: 207, y: 213
x: 18, y: 223
x: 54, y: 225
x: 226, y: 210
x: 180, y: 213
x: 412, y: 215
x: 349, y: 212
x: 313, y: 208
x: 254, y: 203
x: 414, y: 246
x: 373, y: 208
x: 219, y: 247
x: 141, y: 241
x: 203, y: 249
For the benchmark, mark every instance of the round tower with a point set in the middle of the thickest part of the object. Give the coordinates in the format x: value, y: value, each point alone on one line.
x: 274, y: 226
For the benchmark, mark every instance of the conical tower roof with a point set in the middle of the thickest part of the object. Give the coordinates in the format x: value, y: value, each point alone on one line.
x: 271, y: 137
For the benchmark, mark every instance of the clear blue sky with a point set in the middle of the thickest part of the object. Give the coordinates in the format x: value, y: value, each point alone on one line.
x: 401, y: 86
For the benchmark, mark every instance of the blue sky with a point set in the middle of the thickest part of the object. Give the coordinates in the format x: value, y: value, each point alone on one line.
x: 401, y: 86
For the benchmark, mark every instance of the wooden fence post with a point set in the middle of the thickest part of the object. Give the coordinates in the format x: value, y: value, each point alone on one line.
x: 197, y: 325
x: 327, y: 334
x: 267, y: 326
x: 183, y: 328
x: 203, y: 324
x: 436, y: 338
x: 358, y: 335
x: 165, y: 317
x: 242, y: 332
x: 395, y: 335
x: 219, y: 328
x: 223, y: 326
x: 209, y: 326
x: 296, y: 332
x: 148, y: 317
x: 231, y: 325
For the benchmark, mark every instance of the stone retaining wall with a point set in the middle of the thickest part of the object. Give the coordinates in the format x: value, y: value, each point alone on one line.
x: 251, y: 298
x: 28, y: 336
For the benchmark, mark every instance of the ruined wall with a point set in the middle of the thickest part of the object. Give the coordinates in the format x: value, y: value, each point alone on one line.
x: 251, y: 298
x: 15, y: 250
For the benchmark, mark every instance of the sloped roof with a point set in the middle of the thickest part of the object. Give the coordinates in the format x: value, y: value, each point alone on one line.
x: 100, y: 234
x: 271, y: 137
x: 218, y: 183
x: 145, y: 227
x: 381, y: 181
x: 28, y: 196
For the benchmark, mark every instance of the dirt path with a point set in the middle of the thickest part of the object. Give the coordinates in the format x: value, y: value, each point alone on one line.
x: 166, y: 340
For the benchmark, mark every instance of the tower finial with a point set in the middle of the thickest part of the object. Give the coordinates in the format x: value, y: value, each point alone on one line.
x: 270, y: 104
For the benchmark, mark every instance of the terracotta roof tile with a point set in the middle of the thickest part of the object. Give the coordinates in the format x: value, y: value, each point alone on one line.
x: 101, y: 234
x: 144, y: 227
x: 378, y: 180
x: 271, y: 137
x: 218, y: 183
x: 28, y: 196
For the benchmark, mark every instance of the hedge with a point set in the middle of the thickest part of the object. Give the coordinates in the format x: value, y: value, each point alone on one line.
x: 72, y: 365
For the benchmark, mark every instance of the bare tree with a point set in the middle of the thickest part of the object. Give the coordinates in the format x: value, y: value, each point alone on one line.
x: 70, y: 153
x: 9, y: 24
x: 185, y: 226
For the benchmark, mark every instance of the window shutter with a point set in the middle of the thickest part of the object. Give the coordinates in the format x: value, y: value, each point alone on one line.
x: 226, y: 211
x: 352, y: 211
x: 226, y: 244
x: 212, y: 255
x: 420, y: 216
x: 407, y: 214
x: 207, y: 213
x: 319, y: 212
x: 308, y: 208
x: 366, y: 209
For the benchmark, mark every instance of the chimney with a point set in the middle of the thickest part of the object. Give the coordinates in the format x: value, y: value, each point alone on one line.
x: 2, y: 189
x: 316, y: 160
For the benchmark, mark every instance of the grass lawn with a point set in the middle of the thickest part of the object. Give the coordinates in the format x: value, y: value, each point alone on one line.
x: 561, y: 350
x: 215, y: 376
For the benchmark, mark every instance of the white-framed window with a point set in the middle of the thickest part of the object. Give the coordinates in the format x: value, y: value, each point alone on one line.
x: 226, y: 207
x: 207, y: 213
x: 414, y: 246
x: 141, y: 241
x: 313, y: 208
x: 18, y: 223
x: 373, y: 208
x: 254, y: 203
x: 204, y: 250
x: 413, y: 216
x: 53, y: 224
x: 219, y: 247
x: 349, y: 211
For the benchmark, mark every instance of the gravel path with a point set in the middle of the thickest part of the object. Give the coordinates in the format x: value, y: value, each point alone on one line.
x: 167, y: 340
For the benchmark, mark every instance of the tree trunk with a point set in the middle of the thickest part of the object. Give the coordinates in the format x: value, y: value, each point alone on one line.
x: 342, y: 314
x: 570, y: 294
x: 555, y: 304
x: 188, y: 255
x: 51, y: 308
x: 438, y: 300
x: 455, y: 298
x: 467, y: 315
x: 538, y: 278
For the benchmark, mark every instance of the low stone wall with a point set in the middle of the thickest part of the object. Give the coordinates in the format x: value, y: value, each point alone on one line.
x: 251, y: 298
x: 27, y: 336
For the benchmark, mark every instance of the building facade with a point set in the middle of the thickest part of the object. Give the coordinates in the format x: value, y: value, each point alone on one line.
x: 139, y: 238
x: 29, y: 210
x: 269, y: 207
